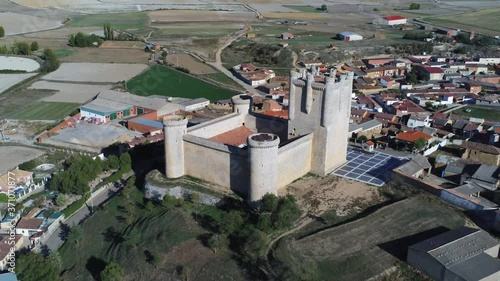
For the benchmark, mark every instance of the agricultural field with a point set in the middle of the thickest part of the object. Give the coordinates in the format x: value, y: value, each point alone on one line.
x: 123, y: 44
x: 18, y: 64
x: 9, y: 80
x: 304, y: 8
x: 479, y: 21
x: 187, y: 61
x: 170, y: 235
x: 300, y: 16
x: 490, y: 114
x: 195, y: 30
x: 14, y: 155
x: 222, y: 78
x: 127, y: 21
x: 346, y: 251
x: 163, y: 81
x: 98, y: 55
x: 46, y: 111
x: 15, y: 23
x: 67, y: 92
x: 95, y: 72
x: 197, y: 16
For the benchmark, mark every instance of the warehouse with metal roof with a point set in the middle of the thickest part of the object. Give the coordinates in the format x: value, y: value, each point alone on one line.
x: 462, y: 254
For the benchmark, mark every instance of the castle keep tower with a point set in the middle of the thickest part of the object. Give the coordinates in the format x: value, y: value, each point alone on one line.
x: 174, y: 128
x: 263, y: 165
x: 324, y: 110
x: 242, y: 104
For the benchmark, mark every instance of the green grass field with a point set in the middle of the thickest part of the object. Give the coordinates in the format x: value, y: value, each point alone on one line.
x: 304, y: 8
x: 61, y: 53
x: 485, y: 113
x: 222, y: 78
x: 160, y: 80
x: 46, y: 111
x: 121, y: 21
x: 479, y: 21
x: 171, y: 235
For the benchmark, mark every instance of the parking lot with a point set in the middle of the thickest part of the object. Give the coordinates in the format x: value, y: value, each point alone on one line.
x: 372, y: 168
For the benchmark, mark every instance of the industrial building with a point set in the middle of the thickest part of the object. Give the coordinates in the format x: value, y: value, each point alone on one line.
x: 349, y: 36
x: 391, y: 20
x: 254, y: 154
x: 112, y: 105
x: 462, y: 254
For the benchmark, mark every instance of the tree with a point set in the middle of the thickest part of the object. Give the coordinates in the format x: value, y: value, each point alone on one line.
x: 21, y: 48
x: 113, y: 162
x: 231, y: 222
x: 269, y: 202
x: 428, y: 104
x: 29, y: 165
x: 215, y: 241
x: 125, y: 162
x: 419, y: 143
x: 76, y: 234
x: 324, y: 8
x: 169, y: 201
x: 414, y: 6
x: 362, y: 138
x: 4, y: 50
x: 34, y: 267
x: 34, y: 46
x: 112, y: 272
x: 264, y: 222
x: 287, y: 212
x: 155, y: 260
x: 2, y: 31
x: 61, y: 200
x: 56, y: 259
x: 51, y: 62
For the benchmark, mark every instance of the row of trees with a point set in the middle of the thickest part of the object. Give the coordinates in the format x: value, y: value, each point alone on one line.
x: 478, y: 40
x: 109, y: 33
x: 2, y: 31
x: 80, y: 170
x: 20, y: 48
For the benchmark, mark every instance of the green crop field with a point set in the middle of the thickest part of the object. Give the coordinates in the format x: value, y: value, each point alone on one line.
x: 222, y: 78
x: 485, y: 113
x: 163, y: 81
x: 121, y: 21
x: 304, y: 8
x: 60, y: 53
x: 479, y: 21
x: 46, y: 111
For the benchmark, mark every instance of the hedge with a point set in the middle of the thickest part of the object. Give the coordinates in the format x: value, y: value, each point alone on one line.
x: 75, y: 206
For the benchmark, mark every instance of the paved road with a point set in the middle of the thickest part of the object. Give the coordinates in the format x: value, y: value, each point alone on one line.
x: 55, y: 240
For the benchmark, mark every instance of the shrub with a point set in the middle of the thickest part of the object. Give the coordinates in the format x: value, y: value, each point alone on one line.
x: 74, y: 206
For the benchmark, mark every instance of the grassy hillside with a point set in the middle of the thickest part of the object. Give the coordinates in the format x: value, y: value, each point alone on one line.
x: 347, y: 251
x: 171, y: 235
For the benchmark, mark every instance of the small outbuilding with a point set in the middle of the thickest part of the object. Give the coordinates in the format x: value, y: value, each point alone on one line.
x: 287, y: 36
x: 369, y: 146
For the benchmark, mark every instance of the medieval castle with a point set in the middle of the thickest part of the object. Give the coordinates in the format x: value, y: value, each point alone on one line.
x: 254, y: 154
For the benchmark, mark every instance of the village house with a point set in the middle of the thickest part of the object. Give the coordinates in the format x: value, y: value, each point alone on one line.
x: 20, y: 178
x: 406, y: 107
x: 483, y: 153
x: 385, y: 118
x: 368, y: 146
x: 370, y: 129
x: 6, y: 244
x: 409, y: 138
x: 358, y: 115
x: 287, y: 36
x: 418, y: 121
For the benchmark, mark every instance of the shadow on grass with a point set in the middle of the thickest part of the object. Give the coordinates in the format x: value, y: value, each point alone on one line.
x: 95, y: 266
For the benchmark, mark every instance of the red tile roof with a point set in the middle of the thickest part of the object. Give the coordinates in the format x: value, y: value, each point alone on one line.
x: 235, y: 137
x: 280, y: 113
x: 412, y: 136
x: 394, y: 18
x: 370, y: 143
x: 433, y: 69
x: 30, y: 223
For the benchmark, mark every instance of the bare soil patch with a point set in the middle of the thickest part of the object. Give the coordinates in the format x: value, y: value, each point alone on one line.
x: 14, y: 23
x: 95, y: 55
x: 316, y: 195
x: 187, y: 61
x: 95, y: 72
x: 14, y: 155
x: 68, y: 92
x: 9, y: 80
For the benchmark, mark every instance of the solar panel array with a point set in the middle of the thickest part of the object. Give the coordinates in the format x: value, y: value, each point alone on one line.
x: 368, y: 167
